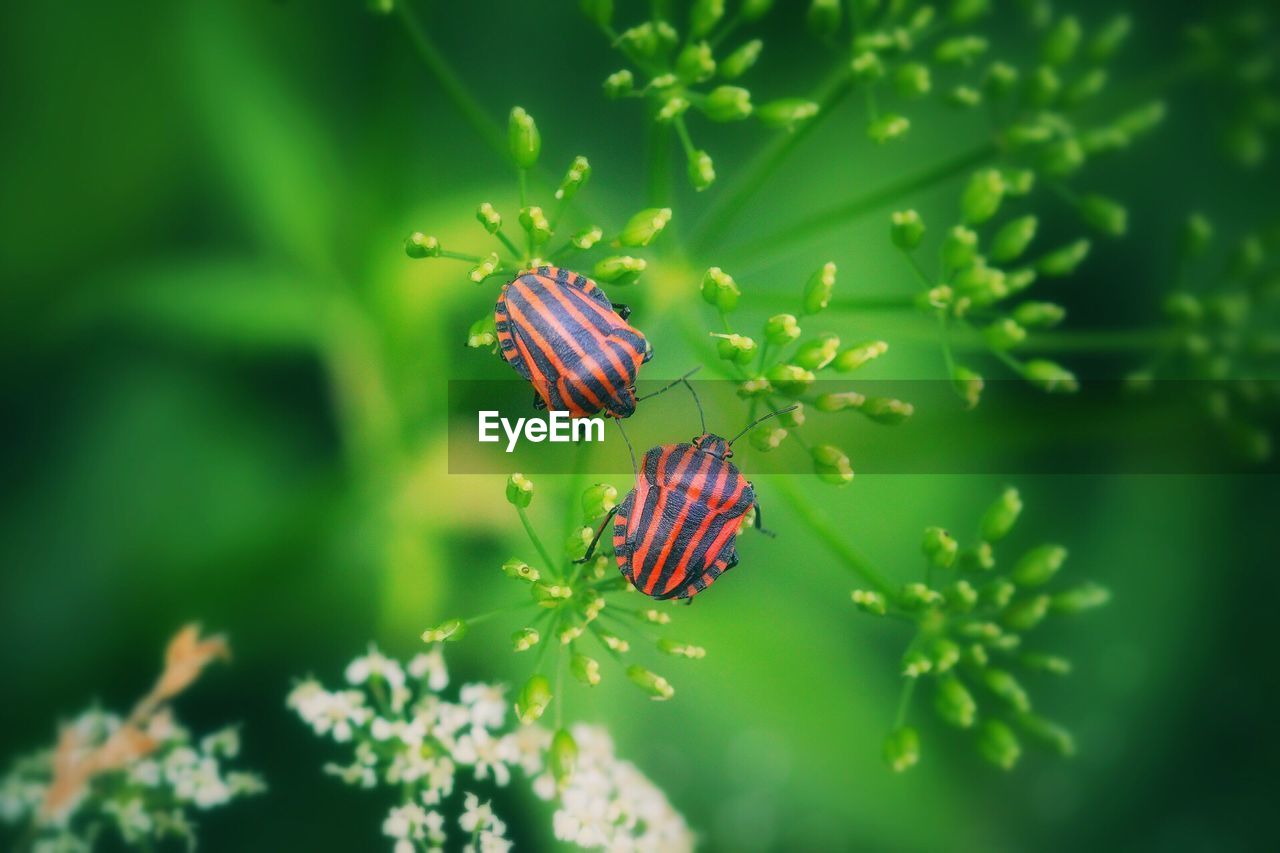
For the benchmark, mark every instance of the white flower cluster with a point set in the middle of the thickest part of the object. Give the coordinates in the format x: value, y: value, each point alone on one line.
x: 143, y: 781
x: 407, y: 737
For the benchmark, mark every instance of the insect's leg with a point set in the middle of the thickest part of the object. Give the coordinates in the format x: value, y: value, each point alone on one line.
x: 538, y: 402
x: 591, y: 549
x: 624, y: 311
x: 759, y: 525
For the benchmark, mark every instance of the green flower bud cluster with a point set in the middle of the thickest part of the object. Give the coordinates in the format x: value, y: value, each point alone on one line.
x: 573, y: 609
x: 779, y: 366
x: 1222, y: 329
x: 692, y: 65
x: 974, y: 616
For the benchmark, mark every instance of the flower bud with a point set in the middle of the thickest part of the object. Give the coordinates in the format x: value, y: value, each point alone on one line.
x: 886, y: 410
x: 939, y: 547
x: 945, y: 654
x: 967, y: 11
x: 701, y: 170
x: 618, y: 269
x: 1142, y: 120
x: 523, y: 139
x: 577, y: 542
x: 1039, y: 662
x: 1026, y: 614
x: 1004, y: 334
x: 912, y: 80
x: 982, y: 196
x: 1063, y: 262
x: 1013, y: 238
x: 1086, y: 596
x: 954, y: 703
x: 817, y: 353
x: 1004, y: 686
x: 519, y: 490
x: 767, y: 437
x: 453, y: 629
x: 975, y: 655
x: 823, y: 17
x: 1043, y: 86
x: 1001, y: 79
x: 562, y: 757
x: 704, y: 16
x: 533, y: 699
x: 817, y: 291
x: 838, y: 402
x: 902, y: 749
x: 1061, y: 41
x: 867, y: 67
x: 870, y: 601
x: 998, y: 744
x: 483, y: 332
x: 978, y: 558
x: 781, y: 329
x: 1001, y: 515
x: 960, y: 50
x: 681, y: 650
x: 585, y: 669
x: 961, y: 596
x: 754, y: 10
x: 520, y: 570
x: 381, y: 7
x: 739, y: 349
x: 619, y: 84
x: 648, y: 39
x: 740, y: 61
x: 598, y: 500
x: 1049, y: 733
x: 790, y: 380
x: 982, y: 285
x: 916, y: 664
x: 727, y: 103
x: 719, y: 289
x: 525, y: 639
x: 536, y: 224
x: 1084, y: 87
x: 489, y: 218
x: 598, y: 12
x: 754, y: 388
x: 792, y: 418
x: 831, y: 465
x: 959, y: 248
x: 574, y: 179
x: 907, y: 229
x: 1040, y: 315
x: 485, y: 268
x: 644, y: 226
x: 851, y: 358
x: 1038, y: 566
x: 888, y: 127
x: 1048, y: 376
x: 916, y: 595
x: 587, y: 237
x: 786, y: 112
x: 419, y: 245
x: 1108, y: 40
x: 550, y: 594
x: 1105, y: 215
x: 964, y: 96
x: 696, y: 63
x: 655, y: 685
x: 968, y: 385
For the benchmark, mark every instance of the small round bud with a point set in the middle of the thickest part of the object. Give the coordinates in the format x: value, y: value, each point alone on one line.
x: 961, y: 597
x: 585, y: 669
x: 550, y: 594
x: 618, y: 269
x: 915, y: 596
x: 525, y: 639
x: 453, y: 629
x: 870, y: 601
x: 781, y: 329
x: 562, y: 757
x: 704, y: 16
x: 838, y: 402
x: 939, y: 547
x: 489, y: 218
x: 519, y: 490
x: 831, y: 465
x: 577, y: 542
x: 982, y: 285
x: 888, y: 127
x: 720, y: 290
x: 968, y: 385
x: 644, y: 226
x: 1013, y: 238
x: 997, y: 594
x: 1025, y: 614
x: 851, y: 358
x: 533, y: 699
x: 945, y: 654
x: 793, y: 418
x: 915, y: 664
x: 960, y: 50
x: 740, y: 61
x: 1039, y: 315
x: 907, y: 229
x: 1039, y: 662
x: 1043, y: 86
x: 1001, y: 515
x: 1004, y: 686
x: 536, y: 224
x: 419, y: 245
x: 520, y: 570
x: 979, y: 558
x: 574, y: 179
x: 1060, y: 43
x: 1049, y: 376
x: 912, y: 80
x: 523, y: 139
x: 1063, y: 262
x: 817, y: 291
x: 1109, y: 38
x: 658, y: 688
x: 681, y: 650
x: 485, y: 268
x: 1086, y: 596
x: 1084, y: 87
x: 959, y: 248
x: 867, y: 67
x: 598, y: 500
x: 817, y: 353
x: 967, y: 11
x: 619, y: 84
x: 998, y: 744
x: 954, y: 703
x: 587, y: 237
x: 1049, y: 733
x: 886, y: 410
x: 982, y: 196
x: 739, y: 349
x: 727, y: 103
x: 964, y: 96
x: 672, y: 109
x: 790, y: 380
x: 696, y: 63
x: 1104, y: 215
x: 824, y: 17
x: 767, y: 437
x: 787, y: 112
x: 483, y: 332
x: 902, y: 749
x: 1004, y: 334
x: 754, y: 10
x: 1001, y: 78
x: 1038, y: 566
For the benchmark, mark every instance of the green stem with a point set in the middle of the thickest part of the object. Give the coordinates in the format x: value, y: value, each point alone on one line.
x: 904, y: 701
x: 552, y: 565
x: 659, y: 165
x: 451, y: 83
x: 511, y: 247
x: 827, y: 533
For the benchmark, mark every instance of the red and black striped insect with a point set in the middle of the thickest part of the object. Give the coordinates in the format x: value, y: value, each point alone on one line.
x: 559, y: 330
x: 676, y: 531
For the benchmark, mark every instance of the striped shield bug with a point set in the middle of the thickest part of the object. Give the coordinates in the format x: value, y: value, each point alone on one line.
x: 559, y: 330
x: 676, y: 531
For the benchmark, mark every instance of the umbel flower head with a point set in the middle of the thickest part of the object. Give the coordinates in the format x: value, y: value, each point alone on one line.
x: 780, y: 367
x: 535, y: 234
x: 441, y: 757
x: 678, y: 67
x: 576, y: 613
x: 975, y: 620
x: 139, y: 775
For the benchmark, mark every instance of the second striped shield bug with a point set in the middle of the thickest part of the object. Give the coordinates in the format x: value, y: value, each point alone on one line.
x: 559, y: 330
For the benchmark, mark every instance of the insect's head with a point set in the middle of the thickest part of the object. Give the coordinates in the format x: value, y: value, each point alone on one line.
x: 623, y: 404
x: 713, y: 444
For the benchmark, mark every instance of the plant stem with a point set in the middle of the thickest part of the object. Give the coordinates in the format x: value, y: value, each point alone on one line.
x: 451, y: 83
x: 827, y: 533
x: 659, y: 165
x: 904, y: 702
x: 552, y: 565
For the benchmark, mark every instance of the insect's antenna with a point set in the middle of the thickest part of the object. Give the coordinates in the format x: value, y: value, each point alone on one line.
x: 759, y: 421
x: 673, y: 383
x: 635, y: 469
x: 702, y: 419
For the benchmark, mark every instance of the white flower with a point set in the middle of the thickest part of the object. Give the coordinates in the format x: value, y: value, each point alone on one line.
x: 131, y: 817
x: 405, y: 822
x: 375, y: 663
x: 338, y: 713
x: 487, y: 704
x: 528, y: 745
x: 431, y: 665
x: 223, y: 744
x: 145, y: 773
x: 477, y: 816
x: 486, y: 754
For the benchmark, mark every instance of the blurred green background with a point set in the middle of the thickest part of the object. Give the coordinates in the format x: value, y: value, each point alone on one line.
x: 223, y: 389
